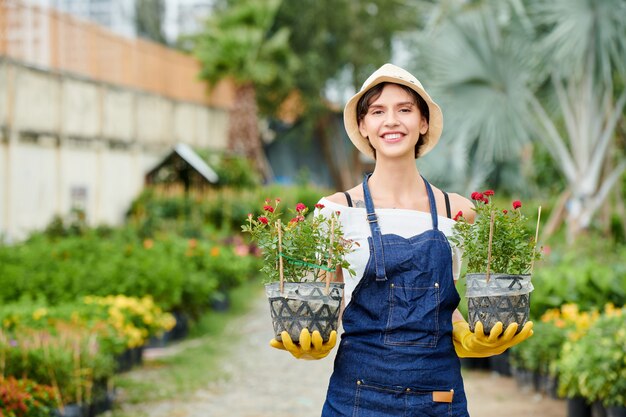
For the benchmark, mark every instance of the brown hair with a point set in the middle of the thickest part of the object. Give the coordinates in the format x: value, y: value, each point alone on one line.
x: 373, y: 93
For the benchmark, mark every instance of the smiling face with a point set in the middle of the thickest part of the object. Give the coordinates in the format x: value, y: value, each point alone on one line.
x: 393, y: 122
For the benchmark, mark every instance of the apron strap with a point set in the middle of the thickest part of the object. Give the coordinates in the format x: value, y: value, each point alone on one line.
x: 377, y: 242
x: 433, y: 204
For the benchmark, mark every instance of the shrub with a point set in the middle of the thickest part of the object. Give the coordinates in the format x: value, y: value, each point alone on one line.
x: 180, y: 274
x: 65, y: 356
x: 595, y: 365
x: 538, y: 354
x: 25, y: 398
x: 218, y: 209
x: 589, y: 275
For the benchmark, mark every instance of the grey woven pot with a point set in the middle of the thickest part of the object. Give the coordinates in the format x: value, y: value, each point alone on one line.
x: 304, y: 305
x: 505, y: 298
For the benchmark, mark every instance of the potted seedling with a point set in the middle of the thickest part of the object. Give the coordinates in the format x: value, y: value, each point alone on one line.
x: 500, y: 253
x: 300, y: 258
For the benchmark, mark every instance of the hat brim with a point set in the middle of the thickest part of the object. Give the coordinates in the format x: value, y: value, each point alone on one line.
x: 435, y: 122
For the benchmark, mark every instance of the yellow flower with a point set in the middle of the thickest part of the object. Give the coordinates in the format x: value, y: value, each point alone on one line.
x: 148, y: 319
x: 39, y: 313
x: 612, y: 311
x: 551, y: 315
x: 569, y: 311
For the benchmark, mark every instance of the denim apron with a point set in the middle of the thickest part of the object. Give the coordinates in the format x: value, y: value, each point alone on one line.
x: 396, y: 349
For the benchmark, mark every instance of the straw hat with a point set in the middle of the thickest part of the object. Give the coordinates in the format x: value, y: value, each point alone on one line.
x: 392, y: 74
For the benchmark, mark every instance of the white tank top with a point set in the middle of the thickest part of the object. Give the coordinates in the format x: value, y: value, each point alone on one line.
x: 402, y: 222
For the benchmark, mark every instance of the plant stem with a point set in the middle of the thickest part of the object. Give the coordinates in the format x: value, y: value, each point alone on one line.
x: 491, y: 221
x: 532, y: 261
x: 280, y: 254
x: 330, y: 252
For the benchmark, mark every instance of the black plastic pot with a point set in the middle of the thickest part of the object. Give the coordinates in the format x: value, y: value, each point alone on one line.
x: 137, y: 355
x: 598, y: 410
x: 124, y: 361
x: 72, y: 410
x: 220, y: 301
x: 578, y: 407
x: 181, y: 328
x: 523, y: 377
x: 550, y: 386
x: 102, y: 404
x: 475, y: 363
x: 616, y: 411
x: 500, y: 364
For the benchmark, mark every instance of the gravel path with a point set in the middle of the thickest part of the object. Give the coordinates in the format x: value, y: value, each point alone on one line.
x: 264, y: 382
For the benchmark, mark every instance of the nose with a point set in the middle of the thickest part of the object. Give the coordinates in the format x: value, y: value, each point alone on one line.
x: 391, y: 119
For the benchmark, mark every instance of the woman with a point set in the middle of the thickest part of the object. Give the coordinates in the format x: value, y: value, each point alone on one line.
x: 403, y: 336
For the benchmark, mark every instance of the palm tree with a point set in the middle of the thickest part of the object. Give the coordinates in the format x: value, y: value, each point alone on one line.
x: 587, y: 40
x: 492, y: 62
x: 237, y: 43
x: 474, y: 68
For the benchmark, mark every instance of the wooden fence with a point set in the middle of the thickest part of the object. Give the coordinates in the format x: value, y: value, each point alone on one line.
x: 49, y: 39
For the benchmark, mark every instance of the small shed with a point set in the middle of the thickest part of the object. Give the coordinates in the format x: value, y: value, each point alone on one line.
x: 185, y: 167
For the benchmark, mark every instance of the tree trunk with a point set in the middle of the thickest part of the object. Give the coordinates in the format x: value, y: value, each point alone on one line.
x: 340, y: 169
x: 556, y: 216
x: 243, y: 130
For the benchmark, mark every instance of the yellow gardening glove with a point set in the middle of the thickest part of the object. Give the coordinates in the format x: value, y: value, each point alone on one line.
x: 311, y: 346
x: 478, y: 345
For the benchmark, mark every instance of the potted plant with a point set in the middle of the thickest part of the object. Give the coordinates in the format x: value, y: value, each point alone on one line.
x: 26, y: 398
x: 594, y: 366
x: 299, y: 260
x: 500, y: 253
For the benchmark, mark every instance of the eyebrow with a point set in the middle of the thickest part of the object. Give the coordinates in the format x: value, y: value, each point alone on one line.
x: 404, y: 103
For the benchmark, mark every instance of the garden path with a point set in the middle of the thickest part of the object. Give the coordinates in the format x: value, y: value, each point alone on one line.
x: 264, y: 382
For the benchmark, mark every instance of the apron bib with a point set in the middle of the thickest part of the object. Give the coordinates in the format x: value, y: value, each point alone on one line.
x: 396, y: 349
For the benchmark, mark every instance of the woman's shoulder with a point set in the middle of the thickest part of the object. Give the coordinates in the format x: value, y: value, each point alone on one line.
x: 355, y: 193
x: 337, y: 198
x: 458, y: 203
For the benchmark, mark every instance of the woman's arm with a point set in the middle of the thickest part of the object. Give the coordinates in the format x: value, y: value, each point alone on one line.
x: 457, y: 316
x: 339, y: 278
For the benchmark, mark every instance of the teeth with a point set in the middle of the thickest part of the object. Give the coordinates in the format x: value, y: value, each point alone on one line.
x: 392, y: 136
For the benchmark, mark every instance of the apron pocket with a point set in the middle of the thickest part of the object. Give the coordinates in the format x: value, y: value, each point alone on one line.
x: 413, y: 316
x: 375, y: 400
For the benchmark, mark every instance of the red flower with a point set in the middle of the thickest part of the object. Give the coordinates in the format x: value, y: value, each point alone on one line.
x: 268, y: 208
x: 263, y: 219
x: 300, y: 207
x: 319, y: 206
x: 267, y: 201
x: 485, y: 200
x: 488, y: 192
x: 505, y: 211
x: 517, y: 204
x: 338, y: 212
x: 296, y: 219
x: 477, y: 196
x: 277, y: 200
x: 458, y: 215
